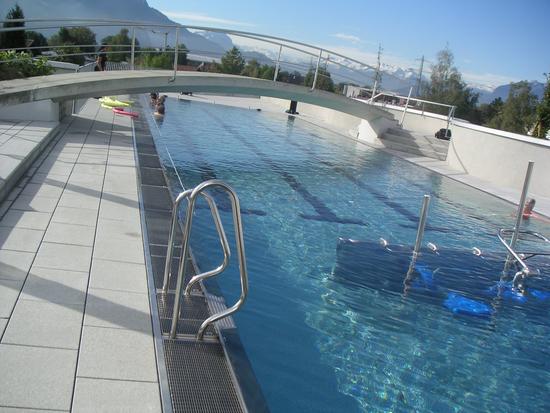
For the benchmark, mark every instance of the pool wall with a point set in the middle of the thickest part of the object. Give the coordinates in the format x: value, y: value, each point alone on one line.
x: 493, y: 155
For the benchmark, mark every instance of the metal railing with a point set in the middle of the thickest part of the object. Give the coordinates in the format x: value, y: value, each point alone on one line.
x: 394, y: 97
x: 191, y: 196
x: 325, y: 58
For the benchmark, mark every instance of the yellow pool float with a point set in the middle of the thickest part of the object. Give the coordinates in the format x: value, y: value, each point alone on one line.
x: 112, y: 102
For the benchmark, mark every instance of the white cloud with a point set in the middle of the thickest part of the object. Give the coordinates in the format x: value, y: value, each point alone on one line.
x: 347, y: 37
x: 203, y: 18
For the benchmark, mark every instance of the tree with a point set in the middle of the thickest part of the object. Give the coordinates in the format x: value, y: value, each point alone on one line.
x: 14, y: 39
x: 35, y: 39
x: 324, y: 81
x: 121, y: 45
x: 543, y: 111
x: 446, y: 86
x: 519, y: 110
x: 76, y: 37
x: 232, y: 62
x: 267, y: 72
x: 252, y: 69
x: 152, y: 59
x: 491, y: 114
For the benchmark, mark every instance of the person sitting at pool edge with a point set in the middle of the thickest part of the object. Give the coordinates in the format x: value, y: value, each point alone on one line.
x: 528, y: 210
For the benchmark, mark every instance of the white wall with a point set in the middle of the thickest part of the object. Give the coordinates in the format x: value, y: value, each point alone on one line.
x: 500, y: 157
x: 349, y: 125
x: 44, y: 110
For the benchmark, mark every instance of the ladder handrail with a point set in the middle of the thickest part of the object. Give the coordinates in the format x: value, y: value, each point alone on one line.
x: 219, y: 228
x: 192, y: 195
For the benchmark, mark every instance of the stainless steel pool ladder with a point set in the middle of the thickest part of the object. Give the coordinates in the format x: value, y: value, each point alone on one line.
x: 520, y: 256
x: 191, y: 196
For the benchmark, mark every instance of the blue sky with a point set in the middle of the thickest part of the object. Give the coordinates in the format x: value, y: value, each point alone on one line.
x: 494, y: 42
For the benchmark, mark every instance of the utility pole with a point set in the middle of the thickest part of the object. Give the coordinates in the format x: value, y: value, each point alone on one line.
x: 377, y: 77
x: 419, y: 86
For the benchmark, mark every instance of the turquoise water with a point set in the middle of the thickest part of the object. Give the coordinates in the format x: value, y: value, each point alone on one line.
x: 319, y: 342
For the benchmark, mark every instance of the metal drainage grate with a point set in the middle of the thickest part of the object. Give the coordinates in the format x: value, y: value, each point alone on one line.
x: 198, y: 377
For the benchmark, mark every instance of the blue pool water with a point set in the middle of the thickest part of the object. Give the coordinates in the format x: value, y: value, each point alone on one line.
x: 332, y: 329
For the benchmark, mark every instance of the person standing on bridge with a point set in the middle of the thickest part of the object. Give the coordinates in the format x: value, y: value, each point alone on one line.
x: 101, y: 60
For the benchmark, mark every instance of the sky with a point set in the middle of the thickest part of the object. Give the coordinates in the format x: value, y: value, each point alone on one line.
x: 494, y: 42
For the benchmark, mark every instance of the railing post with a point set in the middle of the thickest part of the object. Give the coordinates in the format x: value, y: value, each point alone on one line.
x: 133, y: 54
x: 521, y: 205
x: 374, y: 90
x: 316, y: 70
x: 406, y: 107
x: 277, y: 65
x: 449, y: 117
x: 421, y: 224
x: 176, y: 54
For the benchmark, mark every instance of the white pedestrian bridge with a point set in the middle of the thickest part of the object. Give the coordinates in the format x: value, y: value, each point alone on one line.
x: 89, y: 84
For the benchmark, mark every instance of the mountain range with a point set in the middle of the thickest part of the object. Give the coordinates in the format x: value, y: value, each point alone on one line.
x: 212, y: 45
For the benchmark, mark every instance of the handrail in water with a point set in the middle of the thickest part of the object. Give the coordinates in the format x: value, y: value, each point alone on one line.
x: 191, y: 195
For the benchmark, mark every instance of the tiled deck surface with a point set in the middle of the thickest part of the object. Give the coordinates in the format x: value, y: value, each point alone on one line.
x: 75, y: 322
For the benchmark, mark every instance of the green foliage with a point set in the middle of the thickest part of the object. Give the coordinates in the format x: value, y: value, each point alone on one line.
x: 252, y: 69
x: 446, y: 86
x: 491, y: 114
x: 17, y: 65
x: 519, y: 110
x: 232, y: 62
x: 324, y: 81
x: 267, y: 72
x: 151, y: 59
x: 543, y: 111
x: 125, y: 42
x: 73, y: 36
x: 15, y: 39
x: 35, y: 39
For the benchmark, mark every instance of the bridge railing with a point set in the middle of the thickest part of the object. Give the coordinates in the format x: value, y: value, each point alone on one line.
x: 282, y: 59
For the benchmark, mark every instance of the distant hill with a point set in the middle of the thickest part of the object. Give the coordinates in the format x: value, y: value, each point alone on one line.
x: 537, y: 88
x: 137, y: 10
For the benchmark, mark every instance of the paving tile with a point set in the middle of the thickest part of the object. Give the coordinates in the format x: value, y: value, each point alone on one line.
x: 118, y: 309
x: 48, y: 178
x: 119, y: 206
x: 117, y: 228
x: 44, y: 190
x: 123, y: 248
x: 97, y: 395
x: 90, y: 169
x: 83, y: 198
x: 116, y: 275
x: 3, y: 323
x: 70, y: 234
x: 26, y: 219
x: 55, y: 286
x: 114, y: 353
x: 9, y: 291
x: 27, y: 380
x: 20, y: 239
x: 63, y: 257
x: 44, y: 324
x: 14, y: 265
x: 35, y: 203
x: 78, y: 216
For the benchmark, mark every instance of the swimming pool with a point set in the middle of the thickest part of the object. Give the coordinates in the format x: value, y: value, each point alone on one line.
x: 323, y: 337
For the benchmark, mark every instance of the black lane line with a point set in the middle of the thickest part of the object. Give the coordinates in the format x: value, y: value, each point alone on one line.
x: 208, y: 173
x: 378, y: 195
x: 470, y: 213
x: 324, y: 213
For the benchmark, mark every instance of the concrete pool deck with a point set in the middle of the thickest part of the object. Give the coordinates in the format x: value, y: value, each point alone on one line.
x: 511, y: 195
x: 75, y: 321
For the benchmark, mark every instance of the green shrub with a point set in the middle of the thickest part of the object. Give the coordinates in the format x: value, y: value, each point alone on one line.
x: 15, y: 65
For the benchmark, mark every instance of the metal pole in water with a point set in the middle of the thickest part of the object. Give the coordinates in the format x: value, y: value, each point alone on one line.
x: 277, y: 65
x: 406, y: 107
x: 132, y: 58
x: 421, y: 225
x: 521, y: 205
x: 316, y: 70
